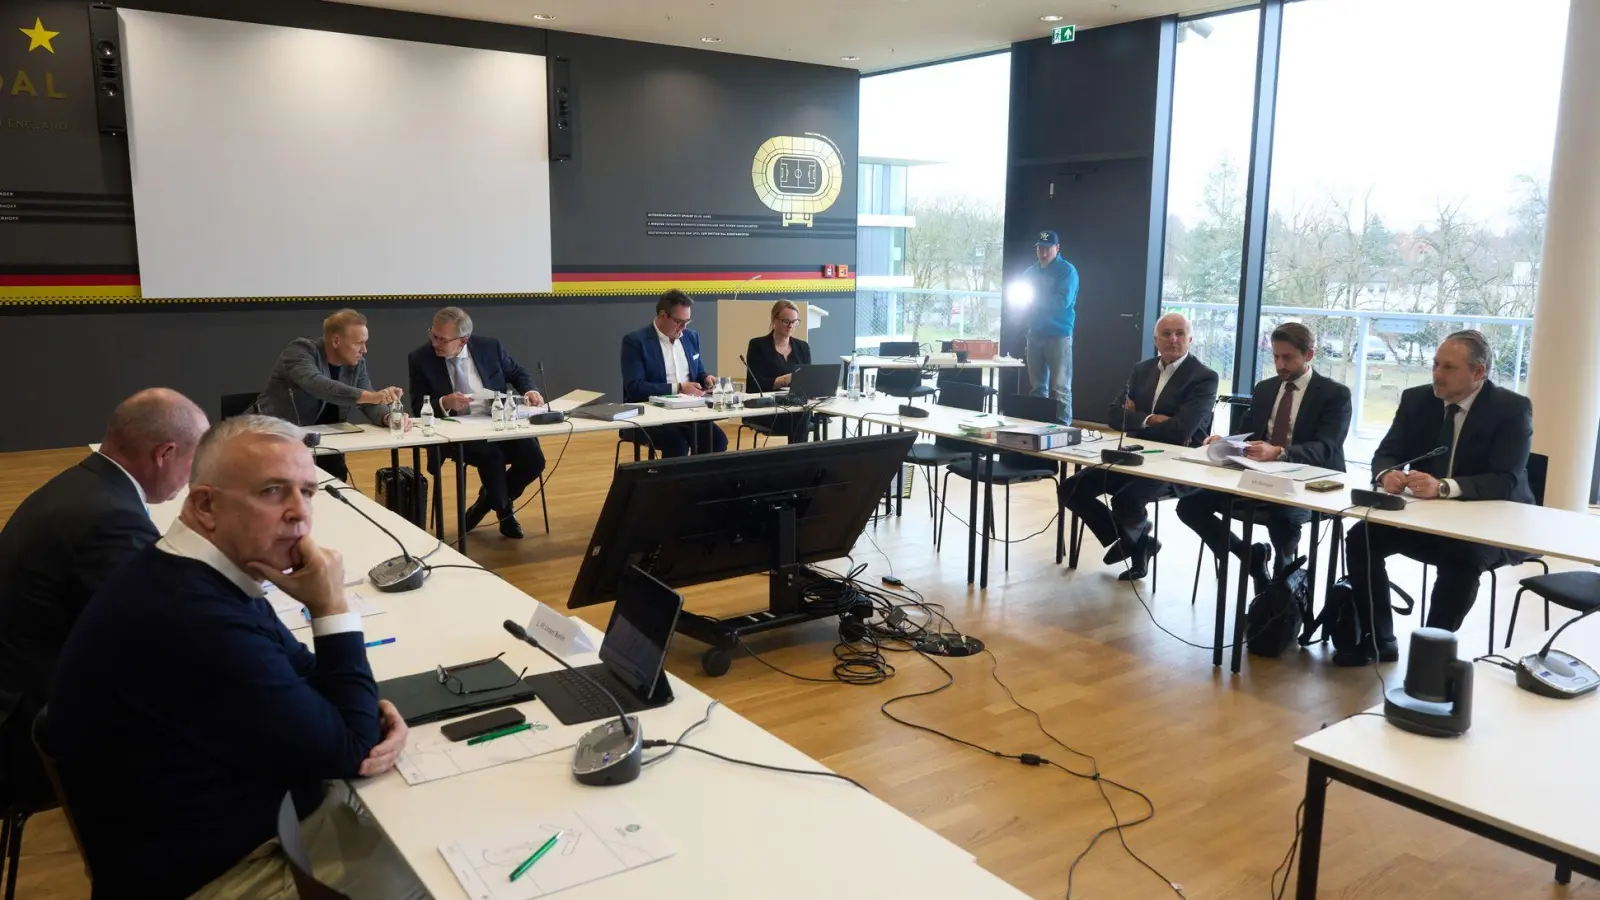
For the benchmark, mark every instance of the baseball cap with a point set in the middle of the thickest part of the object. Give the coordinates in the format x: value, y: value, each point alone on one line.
x: 1048, y: 239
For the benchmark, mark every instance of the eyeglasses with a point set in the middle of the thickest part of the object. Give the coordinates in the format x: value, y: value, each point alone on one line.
x: 789, y: 322
x: 454, y: 685
x: 444, y: 340
x: 681, y: 323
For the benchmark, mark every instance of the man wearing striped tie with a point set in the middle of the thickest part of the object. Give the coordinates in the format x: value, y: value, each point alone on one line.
x: 1298, y: 416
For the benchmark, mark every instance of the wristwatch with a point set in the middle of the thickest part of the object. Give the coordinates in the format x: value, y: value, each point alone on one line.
x: 1444, y: 489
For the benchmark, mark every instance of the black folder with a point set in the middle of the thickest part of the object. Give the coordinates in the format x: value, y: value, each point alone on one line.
x: 421, y: 699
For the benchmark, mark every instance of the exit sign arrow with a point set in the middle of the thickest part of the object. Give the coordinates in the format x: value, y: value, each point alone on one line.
x: 1064, y: 34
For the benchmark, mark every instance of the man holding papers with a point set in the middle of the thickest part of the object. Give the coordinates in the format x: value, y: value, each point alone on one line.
x: 184, y: 711
x: 463, y: 371
x: 1298, y: 417
x: 1485, y: 432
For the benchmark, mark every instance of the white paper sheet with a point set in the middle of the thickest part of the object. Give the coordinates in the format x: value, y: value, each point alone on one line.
x: 601, y: 839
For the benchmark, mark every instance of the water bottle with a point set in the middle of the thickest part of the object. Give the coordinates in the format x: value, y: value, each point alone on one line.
x: 427, y: 416
x: 498, y: 411
x: 719, y: 399
x: 514, y: 403
x: 397, y: 418
x: 852, y: 386
x: 730, y: 393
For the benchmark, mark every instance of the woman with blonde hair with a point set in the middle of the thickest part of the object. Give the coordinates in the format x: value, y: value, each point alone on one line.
x: 770, y: 361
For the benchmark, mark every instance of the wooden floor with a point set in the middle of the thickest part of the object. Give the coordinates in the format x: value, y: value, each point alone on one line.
x: 1212, y: 750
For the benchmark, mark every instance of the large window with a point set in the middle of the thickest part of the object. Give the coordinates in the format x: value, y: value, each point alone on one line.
x: 1212, y: 107
x: 933, y: 182
x: 1410, y: 172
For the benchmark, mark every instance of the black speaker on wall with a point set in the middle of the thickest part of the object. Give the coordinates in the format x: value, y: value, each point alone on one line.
x: 105, y: 44
x: 563, y: 110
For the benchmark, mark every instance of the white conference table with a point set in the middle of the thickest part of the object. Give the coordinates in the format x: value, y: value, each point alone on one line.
x: 1519, y: 776
x: 990, y: 367
x: 736, y: 830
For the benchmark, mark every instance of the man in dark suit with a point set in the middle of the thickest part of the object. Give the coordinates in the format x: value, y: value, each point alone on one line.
x: 1300, y: 416
x: 664, y: 358
x: 1169, y: 399
x: 184, y: 711
x: 65, y: 540
x: 454, y: 366
x: 1487, y: 431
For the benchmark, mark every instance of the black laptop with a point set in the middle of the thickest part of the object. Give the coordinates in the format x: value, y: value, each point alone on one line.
x: 633, y: 657
x: 814, y: 382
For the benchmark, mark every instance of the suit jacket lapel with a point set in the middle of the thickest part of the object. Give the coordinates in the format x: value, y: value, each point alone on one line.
x: 652, y: 354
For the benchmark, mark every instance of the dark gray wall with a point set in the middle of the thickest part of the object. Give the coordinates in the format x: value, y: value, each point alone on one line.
x: 1088, y: 159
x: 659, y: 129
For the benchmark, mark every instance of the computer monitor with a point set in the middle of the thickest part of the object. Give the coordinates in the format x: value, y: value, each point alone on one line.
x: 712, y: 517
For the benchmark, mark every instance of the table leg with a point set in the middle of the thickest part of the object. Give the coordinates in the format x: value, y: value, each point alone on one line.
x: 461, y: 497
x: 1242, y: 594
x: 972, y: 516
x: 438, y: 498
x: 1311, y: 831
x: 418, y: 509
x: 1061, y: 515
x: 988, y: 515
x: 1311, y: 561
x: 1223, y: 563
x: 394, y: 480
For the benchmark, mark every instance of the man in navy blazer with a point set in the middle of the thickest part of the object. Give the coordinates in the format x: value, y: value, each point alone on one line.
x: 1297, y: 416
x: 453, y: 366
x: 1487, y: 432
x: 664, y: 358
x: 1169, y: 399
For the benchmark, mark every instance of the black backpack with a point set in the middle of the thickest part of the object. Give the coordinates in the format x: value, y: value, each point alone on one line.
x: 1274, y: 617
x: 1340, y: 622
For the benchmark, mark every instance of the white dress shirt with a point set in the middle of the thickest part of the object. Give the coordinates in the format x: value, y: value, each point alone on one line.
x: 474, y: 382
x: 181, y: 540
x: 1161, y: 381
x: 136, y: 485
x: 1294, y: 406
x: 1461, y: 418
x: 675, y: 360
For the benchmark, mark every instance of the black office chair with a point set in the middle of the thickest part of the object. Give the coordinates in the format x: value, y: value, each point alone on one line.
x: 294, y: 848
x: 235, y: 405
x: 16, y: 810
x: 1577, y: 591
x: 1009, y: 468
x: 436, y: 469
x: 14, y: 834
x: 639, y: 440
x: 905, y: 383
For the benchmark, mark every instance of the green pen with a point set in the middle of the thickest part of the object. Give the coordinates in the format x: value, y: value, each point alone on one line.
x: 538, y: 854
x: 1152, y: 451
x: 513, y: 729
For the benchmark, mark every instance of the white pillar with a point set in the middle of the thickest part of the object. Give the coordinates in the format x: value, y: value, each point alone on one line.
x: 1564, y: 382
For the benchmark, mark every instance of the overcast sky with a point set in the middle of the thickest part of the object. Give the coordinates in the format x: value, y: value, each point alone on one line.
x: 1427, y: 101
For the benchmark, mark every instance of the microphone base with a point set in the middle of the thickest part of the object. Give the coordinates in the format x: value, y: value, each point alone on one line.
x: 913, y: 412
x: 760, y: 402
x: 398, y: 574
x: 547, y: 418
x: 1557, y: 674
x: 606, y: 754
x: 1121, y: 458
x: 1377, y: 500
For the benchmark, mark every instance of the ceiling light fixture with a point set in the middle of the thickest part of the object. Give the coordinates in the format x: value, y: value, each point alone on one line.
x: 849, y: 58
x: 1049, y: 18
x: 711, y: 40
x: 543, y: 17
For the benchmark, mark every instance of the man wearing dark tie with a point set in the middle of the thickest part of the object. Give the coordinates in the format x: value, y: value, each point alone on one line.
x: 1300, y: 416
x: 664, y: 358
x: 1169, y: 399
x: 1486, y: 432
x: 62, y: 544
x: 457, y: 366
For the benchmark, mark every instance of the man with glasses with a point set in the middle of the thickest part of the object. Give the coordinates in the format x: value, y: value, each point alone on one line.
x: 664, y: 358
x: 183, y: 710
x: 462, y: 369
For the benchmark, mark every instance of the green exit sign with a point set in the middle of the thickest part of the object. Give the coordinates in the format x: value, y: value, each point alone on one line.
x: 1064, y: 34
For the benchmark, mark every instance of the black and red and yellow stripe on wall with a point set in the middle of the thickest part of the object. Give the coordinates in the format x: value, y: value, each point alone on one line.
x: 101, y: 289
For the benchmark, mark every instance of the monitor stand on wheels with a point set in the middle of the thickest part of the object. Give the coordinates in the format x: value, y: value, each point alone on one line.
x: 786, y: 602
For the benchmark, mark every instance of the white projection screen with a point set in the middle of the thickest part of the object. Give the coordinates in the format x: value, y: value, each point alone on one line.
x: 282, y: 162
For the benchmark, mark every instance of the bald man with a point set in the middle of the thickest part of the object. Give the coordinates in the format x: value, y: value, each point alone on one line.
x: 176, y: 775
x: 66, y: 538
x: 1169, y: 399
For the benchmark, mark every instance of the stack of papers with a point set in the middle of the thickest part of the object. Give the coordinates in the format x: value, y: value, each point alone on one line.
x: 294, y: 615
x: 1229, y: 451
x: 430, y: 756
x: 678, y: 401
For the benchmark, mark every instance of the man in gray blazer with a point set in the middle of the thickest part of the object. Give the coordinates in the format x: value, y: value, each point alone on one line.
x: 326, y: 382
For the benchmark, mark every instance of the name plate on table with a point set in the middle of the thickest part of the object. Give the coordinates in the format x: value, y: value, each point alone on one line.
x: 557, y: 633
x: 1267, y: 484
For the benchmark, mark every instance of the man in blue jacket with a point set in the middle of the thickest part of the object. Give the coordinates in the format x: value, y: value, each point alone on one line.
x: 1054, y: 282
x: 183, y: 710
x: 664, y: 358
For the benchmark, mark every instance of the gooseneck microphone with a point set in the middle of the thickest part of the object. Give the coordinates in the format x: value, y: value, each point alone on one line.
x: 1117, y: 455
x: 1556, y: 673
x: 1383, y: 499
x: 396, y: 574
x: 549, y: 416
x: 609, y: 753
x: 756, y: 402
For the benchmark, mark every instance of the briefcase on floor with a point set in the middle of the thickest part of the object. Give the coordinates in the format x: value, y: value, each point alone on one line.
x: 410, y: 494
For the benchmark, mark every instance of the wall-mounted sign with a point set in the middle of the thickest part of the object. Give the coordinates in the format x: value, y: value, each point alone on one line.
x: 798, y: 177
